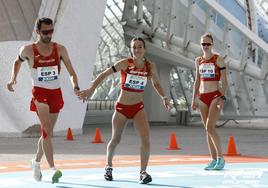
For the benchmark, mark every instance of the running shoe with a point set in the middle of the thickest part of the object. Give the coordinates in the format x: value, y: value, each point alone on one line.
x: 37, y: 175
x: 211, y: 165
x: 55, y: 176
x: 220, y: 164
x: 108, y: 173
x: 145, y: 178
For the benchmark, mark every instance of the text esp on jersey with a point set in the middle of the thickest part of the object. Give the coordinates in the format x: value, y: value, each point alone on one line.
x: 48, y: 73
x: 135, y: 82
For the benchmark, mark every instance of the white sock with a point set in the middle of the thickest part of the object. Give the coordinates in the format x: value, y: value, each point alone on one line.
x: 35, y: 162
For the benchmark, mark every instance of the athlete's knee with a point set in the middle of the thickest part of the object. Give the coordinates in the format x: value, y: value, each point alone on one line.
x: 116, y: 139
x: 145, y: 141
x: 210, y: 128
x: 45, y: 133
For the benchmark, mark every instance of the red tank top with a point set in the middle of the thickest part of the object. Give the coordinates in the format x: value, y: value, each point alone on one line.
x: 134, y: 79
x: 208, y: 69
x: 46, y: 61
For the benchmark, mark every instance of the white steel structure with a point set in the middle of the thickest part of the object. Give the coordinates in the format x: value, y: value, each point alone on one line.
x: 172, y: 30
x: 77, y: 27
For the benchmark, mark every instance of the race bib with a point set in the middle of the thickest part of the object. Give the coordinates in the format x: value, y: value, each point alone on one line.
x: 47, y: 73
x: 135, y: 82
x: 207, y: 70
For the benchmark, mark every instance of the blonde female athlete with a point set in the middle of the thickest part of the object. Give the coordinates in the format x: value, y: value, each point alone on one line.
x: 210, y: 71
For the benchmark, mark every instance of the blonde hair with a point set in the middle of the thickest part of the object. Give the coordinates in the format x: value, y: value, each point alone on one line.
x: 208, y: 35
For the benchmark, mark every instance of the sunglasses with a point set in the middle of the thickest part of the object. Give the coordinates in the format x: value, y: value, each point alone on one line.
x: 46, y: 32
x: 206, y: 44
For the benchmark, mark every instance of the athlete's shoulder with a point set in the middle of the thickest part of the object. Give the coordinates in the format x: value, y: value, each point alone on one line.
x: 27, y: 47
x: 26, y: 51
x: 125, y: 61
x: 152, y: 64
x: 60, y: 46
x: 220, y: 58
x: 62, y: 50
x: 198, y: 59
x: 122, y: 64
x: 217, y: 57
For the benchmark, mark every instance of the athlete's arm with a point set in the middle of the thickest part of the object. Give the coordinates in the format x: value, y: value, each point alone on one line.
x: 67, y: 62
x: 222, y: 66
x: 23, y: 55
x: 196, y: 83
x: 157, y: 86
x: 102, y: 76
x: 120, y: 65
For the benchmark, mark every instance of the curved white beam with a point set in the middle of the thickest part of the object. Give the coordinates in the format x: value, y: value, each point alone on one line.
x: 237, y: 24
x: 248, y: 69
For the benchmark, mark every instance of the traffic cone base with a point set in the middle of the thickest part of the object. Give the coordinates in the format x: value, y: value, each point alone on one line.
x: 97, y: 138
x: 231, y: 150
x: 173, y: 142
x: 69, y: 135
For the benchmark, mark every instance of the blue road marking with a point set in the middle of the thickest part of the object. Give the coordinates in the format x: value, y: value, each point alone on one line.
x: 173, y: 176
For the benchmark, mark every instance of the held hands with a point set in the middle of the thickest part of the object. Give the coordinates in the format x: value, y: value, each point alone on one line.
x: 85, y: 94
x: 76, y: 90
x: 10, y: 85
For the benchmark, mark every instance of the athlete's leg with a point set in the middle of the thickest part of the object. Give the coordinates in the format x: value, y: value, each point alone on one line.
x: 40, y: 152
x: 46, y: 121
x: 118, y: 124
x: 213, y: 116
x: 142, y: 126
x: 204, y: 115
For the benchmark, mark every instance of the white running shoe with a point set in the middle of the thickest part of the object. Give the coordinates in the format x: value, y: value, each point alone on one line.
x: 37, y: 175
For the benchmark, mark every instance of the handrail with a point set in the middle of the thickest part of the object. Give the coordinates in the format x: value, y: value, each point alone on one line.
x: 100, y: 105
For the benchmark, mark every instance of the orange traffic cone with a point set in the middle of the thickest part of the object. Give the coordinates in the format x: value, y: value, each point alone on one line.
x: 172, y: 142
x: 97, y: 138
x: 69, y: 135
x: 231, y: 150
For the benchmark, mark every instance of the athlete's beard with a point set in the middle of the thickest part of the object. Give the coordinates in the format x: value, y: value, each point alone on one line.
x: 46, y: 40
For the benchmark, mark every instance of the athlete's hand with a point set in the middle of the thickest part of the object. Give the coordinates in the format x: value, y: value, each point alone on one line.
x: 166, y: 103
x: 76, y: 90
x: 85, y: 94
x: 220, y: 103
x: 193, y: 105
x: 10, y: 85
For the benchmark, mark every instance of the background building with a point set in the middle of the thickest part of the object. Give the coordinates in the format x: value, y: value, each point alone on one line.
x: 97, y: 34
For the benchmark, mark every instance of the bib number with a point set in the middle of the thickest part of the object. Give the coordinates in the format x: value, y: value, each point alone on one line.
x: 207, y: 70
x: 47, y: 73
x: 135, y: 82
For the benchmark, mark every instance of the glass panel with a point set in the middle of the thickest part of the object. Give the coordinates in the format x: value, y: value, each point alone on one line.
x: 235, y: 9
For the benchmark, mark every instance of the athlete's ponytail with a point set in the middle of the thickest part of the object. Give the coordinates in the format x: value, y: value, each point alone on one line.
x: 148, y: 65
